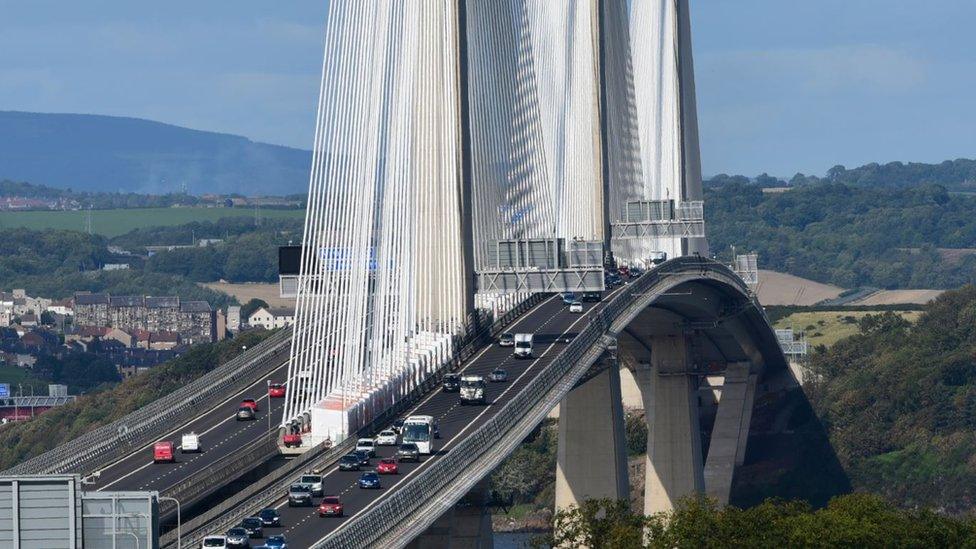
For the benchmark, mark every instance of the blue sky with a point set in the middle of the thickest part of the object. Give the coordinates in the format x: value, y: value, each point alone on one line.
x: 783, y: 86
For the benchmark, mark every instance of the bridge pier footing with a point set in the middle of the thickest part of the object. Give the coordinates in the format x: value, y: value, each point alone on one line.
x: 466, y: 526
x: 674, y: 453
x: 591, y: 459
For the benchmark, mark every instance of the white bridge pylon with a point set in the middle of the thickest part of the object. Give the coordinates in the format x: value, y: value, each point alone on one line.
x: 382, y: 279
x: 447, y: 127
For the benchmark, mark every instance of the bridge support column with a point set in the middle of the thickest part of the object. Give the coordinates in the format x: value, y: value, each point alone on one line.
x: 466, y: 526
x: 674, y: 453
x: 591, y: 459
x: 730, y: 431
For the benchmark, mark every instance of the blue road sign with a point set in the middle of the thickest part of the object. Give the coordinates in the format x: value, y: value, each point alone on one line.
x: 4, y: 389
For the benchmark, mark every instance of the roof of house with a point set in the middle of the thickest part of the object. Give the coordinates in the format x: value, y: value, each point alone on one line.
x: 162, y: 302
x: 91, y: 331
x: 282, y: 311
x: 91, y: 299
x: 195, y: 307
x: 165, y: 337
x: 127, y: 301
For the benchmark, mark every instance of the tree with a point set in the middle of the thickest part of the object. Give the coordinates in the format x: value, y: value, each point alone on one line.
x: 858, y: 520
x: 47, y: 318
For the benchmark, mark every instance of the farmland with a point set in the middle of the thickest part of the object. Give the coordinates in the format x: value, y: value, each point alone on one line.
x: 111, y: 223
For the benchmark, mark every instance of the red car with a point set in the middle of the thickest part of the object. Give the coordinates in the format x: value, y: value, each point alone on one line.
x: 249, y: 403
x: 387, y: 466
x: 276, y: 390
x: 330, y: 507
x: 290, y: 440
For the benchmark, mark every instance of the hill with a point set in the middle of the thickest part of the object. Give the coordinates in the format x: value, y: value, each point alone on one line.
x: 898, y: 400
x: 22, y: 441
x: 104, y: 153
x: 848, y: 236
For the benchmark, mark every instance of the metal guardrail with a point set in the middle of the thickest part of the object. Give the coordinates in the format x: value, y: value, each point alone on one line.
x: 274, y: 485
x: 490, y: 442
x: 205, y: 481
x: 249, y: 501
x: 108, y: 443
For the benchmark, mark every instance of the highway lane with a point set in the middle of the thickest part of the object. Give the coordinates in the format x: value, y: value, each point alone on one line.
x: 220, y: 435
x: 552, y: 324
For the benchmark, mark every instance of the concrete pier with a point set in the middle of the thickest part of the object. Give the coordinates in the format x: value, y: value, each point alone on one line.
x: 730, y: 431
x: 591, y: 459
x: 674, y: 454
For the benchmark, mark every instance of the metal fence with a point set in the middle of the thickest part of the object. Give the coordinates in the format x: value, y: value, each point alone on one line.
x: 273, y: 486
x: 427, y: 496
x: 110, y: 442
x: 205, y: 481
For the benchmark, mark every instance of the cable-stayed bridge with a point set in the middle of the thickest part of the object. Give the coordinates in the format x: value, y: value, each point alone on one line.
x: 471, y: 160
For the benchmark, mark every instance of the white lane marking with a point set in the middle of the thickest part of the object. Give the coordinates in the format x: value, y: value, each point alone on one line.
x: 456, y: 437
x: 469, y: 363
x: 183, y: 427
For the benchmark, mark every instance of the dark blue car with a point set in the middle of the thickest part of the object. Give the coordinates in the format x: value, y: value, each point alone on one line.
x: 369, y: 480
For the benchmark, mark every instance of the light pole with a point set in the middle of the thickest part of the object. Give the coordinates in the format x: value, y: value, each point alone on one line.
x: 269, y: 406
x: 179, y: 522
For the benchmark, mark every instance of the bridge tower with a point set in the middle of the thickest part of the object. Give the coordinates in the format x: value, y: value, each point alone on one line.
x: 384, y: 288
x: 469, y: 154
x: 652, y: 170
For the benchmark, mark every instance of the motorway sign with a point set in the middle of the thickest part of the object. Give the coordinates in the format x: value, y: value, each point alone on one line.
x: 4, y: 390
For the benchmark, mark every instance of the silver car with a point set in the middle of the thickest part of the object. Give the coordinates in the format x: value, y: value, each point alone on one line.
x: 245, y: 414
x: 498, y: 375
x: 237, y: 537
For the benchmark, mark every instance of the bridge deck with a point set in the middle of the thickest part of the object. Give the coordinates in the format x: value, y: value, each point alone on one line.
x: 220, y: 434
x: 553, y: 326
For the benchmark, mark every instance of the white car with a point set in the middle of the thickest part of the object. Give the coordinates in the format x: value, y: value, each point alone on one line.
x: 214, y: 542
x: 314, y: 481
x: 367, y: 445
x: 576, y: 307
x: 386, y: 438
x: 190, y: 443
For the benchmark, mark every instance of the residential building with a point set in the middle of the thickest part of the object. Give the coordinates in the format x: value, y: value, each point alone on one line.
x: 61, y: 307
x: 91, y: 309
x: 271, y: 318
x: 194, y: 321
x: 198, y: 323
x: 233, y: 318
x: 121, y: 336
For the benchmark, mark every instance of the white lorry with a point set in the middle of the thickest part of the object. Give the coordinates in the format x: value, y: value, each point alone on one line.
x: 421, y: 430
x: 190, y: 443
x: 472, y: 389
x: 523, y: 346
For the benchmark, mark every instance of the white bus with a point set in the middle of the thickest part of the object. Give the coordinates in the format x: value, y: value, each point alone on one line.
x: 421, y: 430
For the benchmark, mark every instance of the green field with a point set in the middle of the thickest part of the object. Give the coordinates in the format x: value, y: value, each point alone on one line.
x: 829, y: 327
x: 14, y: 375
x: 112, y: 223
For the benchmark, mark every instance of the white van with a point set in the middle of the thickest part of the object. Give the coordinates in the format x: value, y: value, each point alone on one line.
x: 523, y: 346
x: 190, y: 443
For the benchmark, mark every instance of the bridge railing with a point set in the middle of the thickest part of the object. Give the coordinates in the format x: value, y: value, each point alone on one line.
x: 275, y: 484
x: 111, y: 442
x: 460, y: 463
